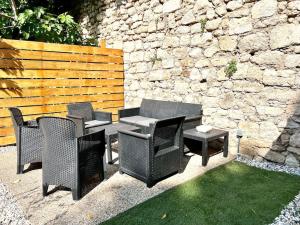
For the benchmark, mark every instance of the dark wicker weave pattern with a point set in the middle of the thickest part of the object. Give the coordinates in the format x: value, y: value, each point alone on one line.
x: 151, y: 157
x: 29, y: 140
x: 67, y: 160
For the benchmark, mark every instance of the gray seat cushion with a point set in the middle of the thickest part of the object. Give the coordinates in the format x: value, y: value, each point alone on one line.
x: 95, y: 123
x: 138, y: 120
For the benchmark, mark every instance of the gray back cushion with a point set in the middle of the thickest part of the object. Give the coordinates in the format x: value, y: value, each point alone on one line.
x: 165, y: 109
x: 189, y: 109
x: 148, y: 107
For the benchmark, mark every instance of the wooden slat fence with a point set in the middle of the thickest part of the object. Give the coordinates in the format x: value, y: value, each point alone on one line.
x: 42, y: 78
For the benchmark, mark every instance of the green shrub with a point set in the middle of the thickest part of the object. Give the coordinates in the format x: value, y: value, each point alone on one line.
x: 231, y: 68
x: 30, y: 22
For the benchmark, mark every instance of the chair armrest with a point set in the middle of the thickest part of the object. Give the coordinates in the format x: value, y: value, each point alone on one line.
x: 129, y: 112
x: 135, y: 134
x: 31, y: 123
x: 103, y: 116
x: 79, y: 122
x: 30, y: 133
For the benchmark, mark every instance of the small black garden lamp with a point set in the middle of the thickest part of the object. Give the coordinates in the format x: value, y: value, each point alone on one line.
x: 239, y: 135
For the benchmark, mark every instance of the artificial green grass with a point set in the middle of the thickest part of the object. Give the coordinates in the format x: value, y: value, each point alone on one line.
x: 233, y: 194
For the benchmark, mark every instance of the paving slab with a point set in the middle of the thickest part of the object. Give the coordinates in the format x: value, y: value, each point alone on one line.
x: 111, y: 197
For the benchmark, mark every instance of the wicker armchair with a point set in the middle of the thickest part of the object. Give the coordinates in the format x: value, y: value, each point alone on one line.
x: 29, y: 140
x: 80, y: 113
x: 151, y: 157
x: 68, y: 160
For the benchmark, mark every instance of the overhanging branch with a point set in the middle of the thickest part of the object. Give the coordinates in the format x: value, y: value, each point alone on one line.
x: 7, y: 16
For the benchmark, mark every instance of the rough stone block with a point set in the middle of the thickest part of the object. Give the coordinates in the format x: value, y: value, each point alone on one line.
x: 188, y: 18
x: 171, y: 6
x: 213, y: 24
x: 269, y: 58
x: 227, y: 43
x: 291, y: 160
x: 284, y: 35
x: 240, y: 25
x: 294, y: 150
x: 295, y: 140
x: 254, y: 42
x: 264, y: 8
x: 159, y: 75
x: 233, y: 5
x: 274, y: 156
x: 292, y: 61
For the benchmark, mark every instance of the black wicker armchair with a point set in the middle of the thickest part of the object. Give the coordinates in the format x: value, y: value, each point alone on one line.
x: 29, y: 140
x: 151, y: 157
x: 83, y: 114
x: 68, y: 160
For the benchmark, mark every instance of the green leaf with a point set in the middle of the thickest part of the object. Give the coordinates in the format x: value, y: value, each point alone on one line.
x: 26, y: 35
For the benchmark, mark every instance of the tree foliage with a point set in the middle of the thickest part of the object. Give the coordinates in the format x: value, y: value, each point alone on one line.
x: 40, y: 21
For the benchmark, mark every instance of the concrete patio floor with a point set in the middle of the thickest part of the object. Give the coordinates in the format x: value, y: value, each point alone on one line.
x: 117, y: 194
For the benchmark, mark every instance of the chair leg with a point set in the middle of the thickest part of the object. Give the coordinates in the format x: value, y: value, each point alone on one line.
x: 204, y: 153
x: 76, y: 194
x: 102, y: 174
x: 109, y: 152
x: 45, y: 189
x: 20, y: 169
x: 150, y: 183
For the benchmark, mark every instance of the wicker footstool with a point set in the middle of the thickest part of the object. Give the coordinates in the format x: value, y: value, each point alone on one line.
x: 204, y: 138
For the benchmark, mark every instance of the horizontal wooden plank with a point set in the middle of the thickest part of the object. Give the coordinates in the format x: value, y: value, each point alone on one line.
x: 18, y: 84
x: 45, y: 65
x: 59, y: 99
x: 30, y: 110
x: 33, y: 45
x: 57, y: 56
x: 59, y: 74
x: 7, y: 140
x: 7, y: 131
x: 46, y: 92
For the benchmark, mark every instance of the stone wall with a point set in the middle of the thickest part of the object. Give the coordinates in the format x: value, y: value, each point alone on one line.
x: 179, y: 49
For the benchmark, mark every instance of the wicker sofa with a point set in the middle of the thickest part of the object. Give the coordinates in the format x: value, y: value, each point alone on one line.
x: 151, y: 111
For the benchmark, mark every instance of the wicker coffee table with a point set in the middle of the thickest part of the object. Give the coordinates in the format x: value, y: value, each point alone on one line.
x: 204, y: 138
x: 111, y: 134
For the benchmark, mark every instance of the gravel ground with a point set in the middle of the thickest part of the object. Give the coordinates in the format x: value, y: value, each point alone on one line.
x: 290, y: 215
x: 269, y: 165
x: 8, y: 149
x: 10, y: 212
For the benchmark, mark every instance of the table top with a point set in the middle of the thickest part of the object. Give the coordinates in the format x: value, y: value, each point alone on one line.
x: 112, y: 129
x: 211, y: 135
